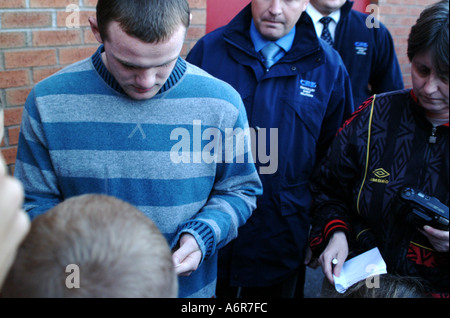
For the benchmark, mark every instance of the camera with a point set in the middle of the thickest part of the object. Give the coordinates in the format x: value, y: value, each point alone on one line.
x: 426, y: 210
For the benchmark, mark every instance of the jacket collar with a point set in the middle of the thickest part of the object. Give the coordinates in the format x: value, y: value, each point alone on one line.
x: 345, y: 9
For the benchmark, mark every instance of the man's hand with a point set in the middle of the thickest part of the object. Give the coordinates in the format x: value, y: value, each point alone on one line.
x: 188, y: 256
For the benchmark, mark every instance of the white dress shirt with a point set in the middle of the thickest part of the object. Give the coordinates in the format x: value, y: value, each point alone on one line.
x: 316, y: 16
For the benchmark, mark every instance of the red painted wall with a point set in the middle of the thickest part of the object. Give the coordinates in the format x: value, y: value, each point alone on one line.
x: 361, y: 5
x: 220, y: 12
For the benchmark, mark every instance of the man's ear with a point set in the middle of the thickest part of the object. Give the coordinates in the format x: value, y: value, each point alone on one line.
x: 305, y: 5
x: 94, y: 28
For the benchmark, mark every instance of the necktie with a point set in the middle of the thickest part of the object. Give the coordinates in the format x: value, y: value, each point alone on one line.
x: 269, y: 52
x: 326, y: 35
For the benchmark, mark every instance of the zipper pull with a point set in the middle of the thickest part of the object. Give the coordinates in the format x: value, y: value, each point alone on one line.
x: 433, y: 137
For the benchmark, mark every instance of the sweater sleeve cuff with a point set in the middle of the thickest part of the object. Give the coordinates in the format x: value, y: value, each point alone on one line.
x: 202, y: 233
x: 334, y: 226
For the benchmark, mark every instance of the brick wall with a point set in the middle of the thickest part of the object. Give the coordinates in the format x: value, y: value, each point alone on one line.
x: 39, y: 37
x: 399, y: 16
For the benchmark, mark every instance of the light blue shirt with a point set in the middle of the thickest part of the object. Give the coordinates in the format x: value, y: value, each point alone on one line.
x: 259, y: 41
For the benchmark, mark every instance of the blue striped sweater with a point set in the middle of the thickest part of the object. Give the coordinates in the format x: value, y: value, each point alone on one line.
x: 81, y: 134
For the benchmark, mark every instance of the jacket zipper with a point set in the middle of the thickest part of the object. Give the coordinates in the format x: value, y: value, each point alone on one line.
x: 432, y: 139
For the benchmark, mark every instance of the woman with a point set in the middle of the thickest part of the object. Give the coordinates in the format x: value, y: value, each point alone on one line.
x: 394, y: 140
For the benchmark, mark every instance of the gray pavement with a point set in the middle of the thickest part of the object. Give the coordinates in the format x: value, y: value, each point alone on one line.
x: 313, y: 282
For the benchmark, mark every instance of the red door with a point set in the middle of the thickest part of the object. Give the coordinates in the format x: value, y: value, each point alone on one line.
x: 220, y: 12
x: 361, y: 5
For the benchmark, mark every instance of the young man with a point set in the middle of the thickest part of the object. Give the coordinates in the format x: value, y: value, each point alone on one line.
x: 365, y: 45
x: 137, y: 122
x: 296, y: 102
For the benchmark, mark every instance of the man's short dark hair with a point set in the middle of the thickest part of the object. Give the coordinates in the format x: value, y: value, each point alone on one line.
x: 431, y: 33
x: 151, y: 21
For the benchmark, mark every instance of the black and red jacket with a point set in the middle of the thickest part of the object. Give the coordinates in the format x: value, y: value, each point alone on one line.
x: 387, y: 143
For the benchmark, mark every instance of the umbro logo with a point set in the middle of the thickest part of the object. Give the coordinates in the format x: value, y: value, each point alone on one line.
x: 380, y: 176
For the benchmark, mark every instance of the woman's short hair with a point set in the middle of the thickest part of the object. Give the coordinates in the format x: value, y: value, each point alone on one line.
x: 431, y: 33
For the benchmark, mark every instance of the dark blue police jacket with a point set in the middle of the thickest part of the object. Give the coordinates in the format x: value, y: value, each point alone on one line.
x: 298, y: 106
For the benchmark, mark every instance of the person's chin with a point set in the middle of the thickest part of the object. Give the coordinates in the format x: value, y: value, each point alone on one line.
x: 272, y: 33
x: 139, y: 94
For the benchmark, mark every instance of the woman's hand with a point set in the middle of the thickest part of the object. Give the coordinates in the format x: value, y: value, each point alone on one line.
x: 437, y: 238
x: 337, y: 248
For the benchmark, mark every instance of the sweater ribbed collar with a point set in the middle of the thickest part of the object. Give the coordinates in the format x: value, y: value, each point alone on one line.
x: 177, y: 72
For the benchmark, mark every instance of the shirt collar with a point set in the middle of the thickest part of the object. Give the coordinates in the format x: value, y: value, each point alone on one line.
x: 316, y: 15
x: 259, y: 41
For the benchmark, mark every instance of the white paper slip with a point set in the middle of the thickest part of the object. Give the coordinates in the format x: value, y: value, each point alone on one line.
x: 360, y: 267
